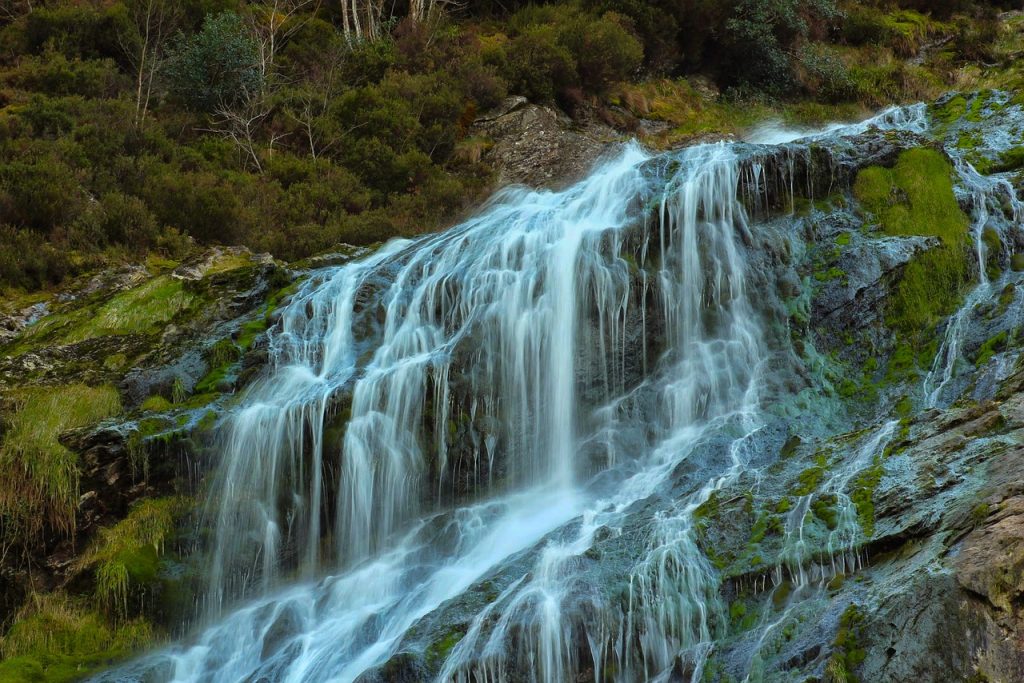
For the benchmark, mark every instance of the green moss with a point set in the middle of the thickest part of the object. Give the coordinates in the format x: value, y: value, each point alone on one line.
x: 980, y: 513
x: 832, y: 273
x: 848, y: 653
x: 824, y: 508
x: 40, y: 475
x: 1006, y: 297
x: 809, y: 480
x: 952, y: 111
x: 904, y: 407
x: 142, y: 310
x: 993, y: 250
x: 709, y: 509
x: 127, y: 554
x: 843, y: 239
x: 1010, y: 160
x: 789, y: 448
x: 1017, y: 262
x: 156, y: 404
x: 991, y: 347
x: 783, y: 506
x: 438, y: 651
x: 55, y: 639
x: 863, y: 495
x: 916, y: 198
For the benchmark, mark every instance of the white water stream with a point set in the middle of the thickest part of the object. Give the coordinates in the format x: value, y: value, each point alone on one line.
x: 327, y: 550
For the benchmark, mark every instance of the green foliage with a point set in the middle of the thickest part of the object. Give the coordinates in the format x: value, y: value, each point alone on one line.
x: 760, y: 36
x: 558, y: 47
x: 216, y: 67
x: 916, y: 198
x: 53, y: 73
x: 56, y: 639
x: 40, y: 475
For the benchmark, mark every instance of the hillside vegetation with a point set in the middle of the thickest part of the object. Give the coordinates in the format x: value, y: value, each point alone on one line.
x: 129, y: 127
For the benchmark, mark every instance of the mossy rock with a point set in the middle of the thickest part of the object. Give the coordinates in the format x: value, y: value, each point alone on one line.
x: 916, y: 198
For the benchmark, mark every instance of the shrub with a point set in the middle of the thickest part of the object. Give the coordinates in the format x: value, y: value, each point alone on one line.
x: 538, y: 65
x: 759, y: 37
x: 76, y: 30
x: 54, y: 74
x: 215, y: 67
x: 39, y: 194
x: 126, y: 220
x: 824, y: 74
x: 28, y: 263
x: 605, y: 50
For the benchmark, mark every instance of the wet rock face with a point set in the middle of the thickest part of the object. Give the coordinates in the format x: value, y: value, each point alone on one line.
x: 991, y: 562
x: 538, y: 146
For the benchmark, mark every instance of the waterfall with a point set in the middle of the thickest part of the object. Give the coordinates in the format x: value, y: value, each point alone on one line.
x: 989, y: 198
x: 481, y: 406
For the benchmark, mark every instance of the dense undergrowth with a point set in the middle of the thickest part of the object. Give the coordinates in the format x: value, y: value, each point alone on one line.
x: 143, y: 125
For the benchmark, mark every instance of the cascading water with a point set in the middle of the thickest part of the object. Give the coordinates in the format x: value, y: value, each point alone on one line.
x: 990, y: 198
x: 529, y: 325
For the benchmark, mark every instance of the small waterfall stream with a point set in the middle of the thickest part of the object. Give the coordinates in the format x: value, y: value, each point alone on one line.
x: 528, y: 326
x: 987, y: 197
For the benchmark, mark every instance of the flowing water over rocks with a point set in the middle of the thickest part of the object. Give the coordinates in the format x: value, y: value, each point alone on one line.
x: 587, y: 434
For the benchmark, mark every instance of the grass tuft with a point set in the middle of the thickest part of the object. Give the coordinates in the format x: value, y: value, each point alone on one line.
x: 41, y: 475
x: 56, y: 639
x: 127, y: 554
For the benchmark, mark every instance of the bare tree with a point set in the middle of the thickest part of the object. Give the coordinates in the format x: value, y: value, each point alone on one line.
x: 311, y: 103
x: 241, y: 123
x: 422, y: 11
x: 272, y: 25
x: 10, y: 10
x: 144, y: 42
x: 361, y: 19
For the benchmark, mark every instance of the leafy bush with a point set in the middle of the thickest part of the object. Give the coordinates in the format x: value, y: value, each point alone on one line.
x: 39, y: 194
x: 538, y: 66
x: 824, y: 75
x: 216, y: 67
x: 54, y: 74
x: 760, y: 35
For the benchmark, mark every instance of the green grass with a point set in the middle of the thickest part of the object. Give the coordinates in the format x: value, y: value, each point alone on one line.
x: 916, y: 198
x: 156, y: 404
x: 56, y: 639
x: 127, y: 554
x: 145, y: 309
x: 40, y: 475
x: 141, y: 310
